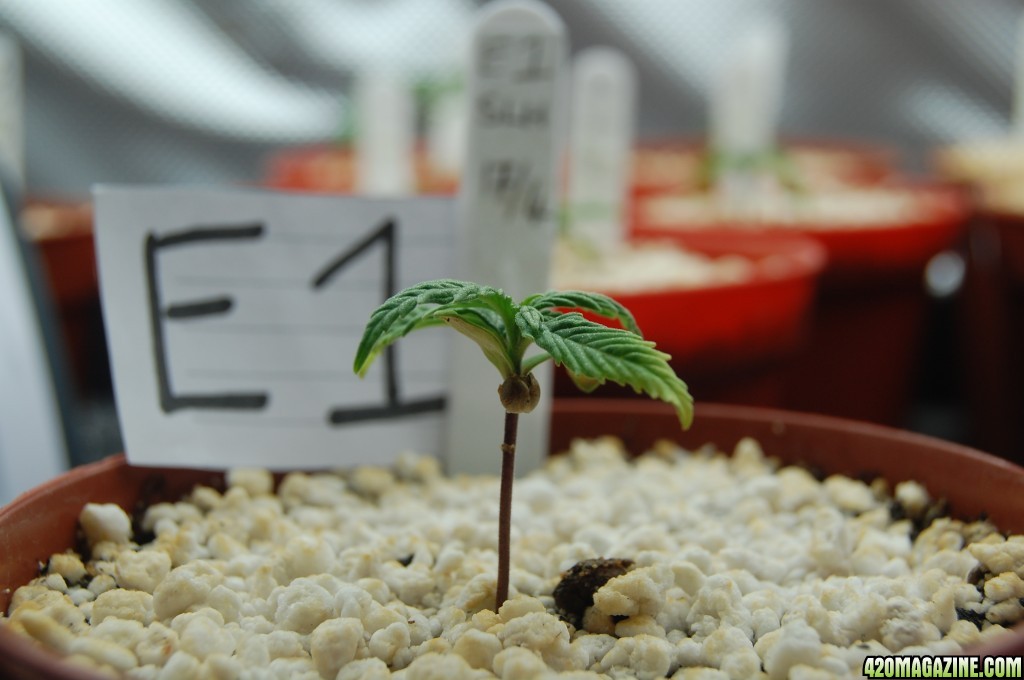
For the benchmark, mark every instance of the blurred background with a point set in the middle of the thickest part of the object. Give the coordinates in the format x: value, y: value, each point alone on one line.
x: 268, y: 92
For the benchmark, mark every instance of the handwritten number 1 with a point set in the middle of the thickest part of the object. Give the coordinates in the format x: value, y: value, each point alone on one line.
x: 534, y: 68
x: 394, y: 405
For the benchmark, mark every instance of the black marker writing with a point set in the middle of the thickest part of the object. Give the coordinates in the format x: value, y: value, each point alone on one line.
x: 517, y: 58
x: 169, y: 400
x: 492, y: 54
x: 188, y: 310
x: 535, y: 50
x: 512, y: 184
x: 394, y: 406
x: 495, y: 110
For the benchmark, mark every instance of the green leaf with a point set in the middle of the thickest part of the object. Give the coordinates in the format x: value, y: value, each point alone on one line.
x: 591, y: 352
x: 584, y: 383
x: 533, y: 362
x: 599, y: 304
x: 601, y: 353
x: 775, y: 161
x: 488, y: 333
x: 404, y: 312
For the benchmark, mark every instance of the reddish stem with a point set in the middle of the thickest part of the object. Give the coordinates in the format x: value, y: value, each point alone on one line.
x: 508, y: 469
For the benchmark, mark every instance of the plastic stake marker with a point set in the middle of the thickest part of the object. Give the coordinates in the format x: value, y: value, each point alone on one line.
x: 384, y: 135
x: 12, y: 137
x: 446, y: 132
x: 507, y: 211
x: 745, y: 103
x: 1017, y: 124
x: 600, y: 145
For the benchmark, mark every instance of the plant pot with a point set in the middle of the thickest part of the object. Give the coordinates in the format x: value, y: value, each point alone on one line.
x: 319, y: 168
x: 991, y: 313
x: 61, y: 232
x: 733, y: 341
x: 858, y: 246
x: 675, y: 166
x: 43, y: 521
x: 981, y: 163
x: 333, y: 169
x: 992, y: 329
x: 871, y: 305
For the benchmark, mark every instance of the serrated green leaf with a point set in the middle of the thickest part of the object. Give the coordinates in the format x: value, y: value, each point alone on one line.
x: 591, y: 352
x: 601, y: 353
x: 404, y: 312
x: 597, y: 303
x: 415, y: 320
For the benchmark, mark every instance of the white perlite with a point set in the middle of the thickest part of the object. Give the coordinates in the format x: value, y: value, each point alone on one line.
x: 650, y: 267
x: 741, y: 571
x: 852, y: 208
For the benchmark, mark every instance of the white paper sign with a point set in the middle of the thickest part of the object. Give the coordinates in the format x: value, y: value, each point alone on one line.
x: 508, y: 208
x: 601, y: 145
x: 233, y: 317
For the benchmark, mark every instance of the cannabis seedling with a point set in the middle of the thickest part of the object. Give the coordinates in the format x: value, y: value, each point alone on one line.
x: 590, y: 352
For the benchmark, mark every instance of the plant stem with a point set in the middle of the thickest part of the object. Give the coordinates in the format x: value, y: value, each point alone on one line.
x: 508, y: 469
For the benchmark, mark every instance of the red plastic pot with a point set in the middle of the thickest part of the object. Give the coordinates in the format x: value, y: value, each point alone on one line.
x: 992, y: 311
x: 320, y: 168
x: 332, y: 169
x: 992, y: 328
x: 43, y: 521
x: 981, y: 162
x: 730, y: 341
x: 673, y: 166
x: 61, y: 232
x: 868, y: 321
x: 855, y: 249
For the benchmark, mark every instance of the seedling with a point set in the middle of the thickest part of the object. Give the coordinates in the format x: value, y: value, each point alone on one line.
x: 591, y: 353
x: 775, y: 162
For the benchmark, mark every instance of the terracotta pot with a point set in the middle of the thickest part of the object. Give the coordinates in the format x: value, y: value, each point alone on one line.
x: 732, y: 341
x: 43, y: 521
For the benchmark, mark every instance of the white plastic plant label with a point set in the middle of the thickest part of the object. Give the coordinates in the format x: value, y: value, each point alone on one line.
x: 12, y: 135
x: 446, y: 130
x: 233, y: 318
x: 1017, y: 115
x: 508, y: 210
x: 746, y: 101
x: 600, y: 146
x: 385, y: 131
